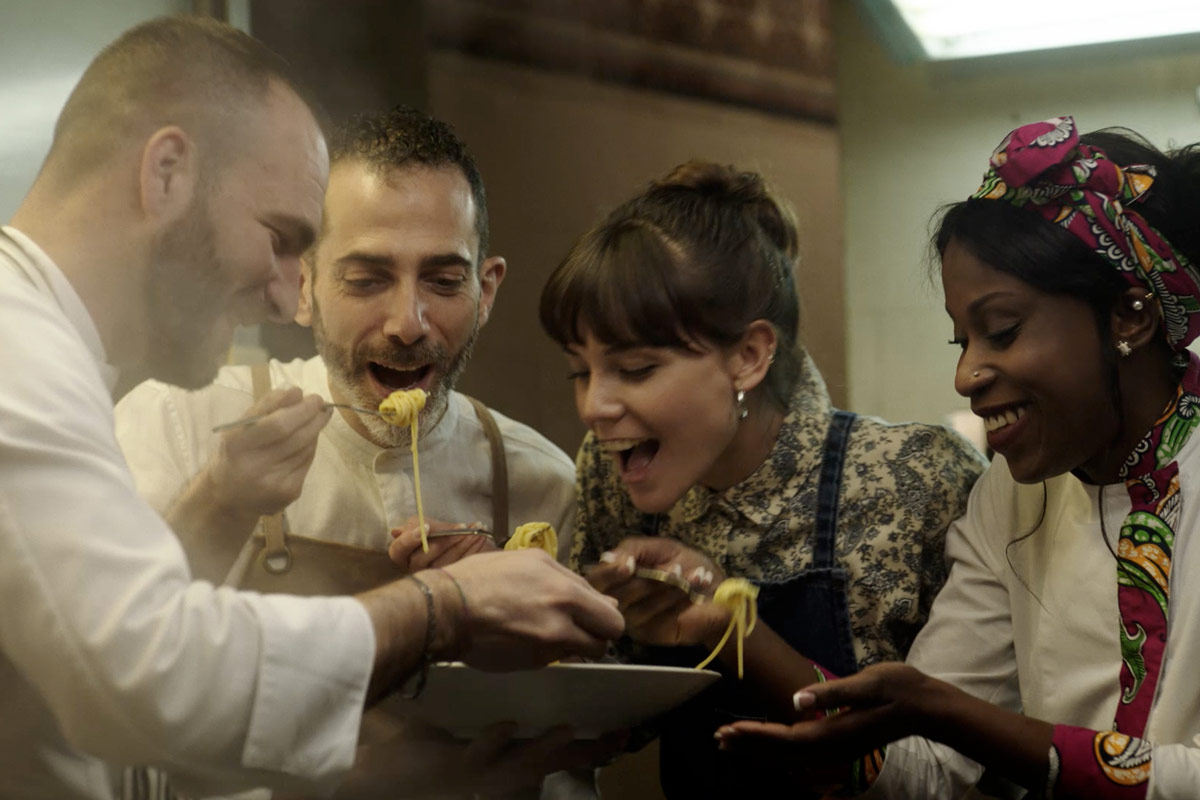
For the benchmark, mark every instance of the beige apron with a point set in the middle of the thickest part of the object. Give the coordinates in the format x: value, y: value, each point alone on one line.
x: 276, y: 560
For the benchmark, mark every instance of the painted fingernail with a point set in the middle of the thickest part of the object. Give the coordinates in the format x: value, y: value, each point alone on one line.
x: 630, y: 564
x: 698, y: 575
x: 677, y: 570
x: 803, y: 699
x: 608, y: 557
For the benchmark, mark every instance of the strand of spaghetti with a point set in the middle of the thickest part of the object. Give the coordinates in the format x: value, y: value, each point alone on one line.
x: 417, y: 488
x: 740, y: 596
x: 401, y: 408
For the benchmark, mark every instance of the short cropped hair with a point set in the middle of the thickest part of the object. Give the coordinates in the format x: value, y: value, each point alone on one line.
x: 194, y: 72
x: 405, y: 136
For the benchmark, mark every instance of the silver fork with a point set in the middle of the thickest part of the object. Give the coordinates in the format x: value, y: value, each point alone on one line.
x: 470, y: 530
x: 253, y: 418
x: 671, y: 579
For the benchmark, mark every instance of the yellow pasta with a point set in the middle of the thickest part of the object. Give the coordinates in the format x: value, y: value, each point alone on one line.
x: 740, y: 596
x: 402, y: 408
x: 534, y: 534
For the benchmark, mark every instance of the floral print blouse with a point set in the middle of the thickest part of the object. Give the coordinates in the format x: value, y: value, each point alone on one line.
x: 902, y: 486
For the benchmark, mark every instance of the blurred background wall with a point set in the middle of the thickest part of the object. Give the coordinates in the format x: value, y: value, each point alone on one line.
x: 916, y: 136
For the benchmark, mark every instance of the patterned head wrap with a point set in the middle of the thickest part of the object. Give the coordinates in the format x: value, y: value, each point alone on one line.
x: 1043, y: 167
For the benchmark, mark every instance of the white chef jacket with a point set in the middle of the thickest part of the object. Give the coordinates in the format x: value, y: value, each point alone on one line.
x: 109, y: 653
x: 1033, y: 626
x: 355, y: 492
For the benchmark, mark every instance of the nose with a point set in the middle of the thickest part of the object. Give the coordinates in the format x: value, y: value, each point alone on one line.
x: 970, y: 377
x: 283, y: 290
x: 407, y: 318
x: 597, y: 402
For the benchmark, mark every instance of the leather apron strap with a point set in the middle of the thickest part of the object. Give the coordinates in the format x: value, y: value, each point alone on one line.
x: 500, y: 529
x: 276, y: 557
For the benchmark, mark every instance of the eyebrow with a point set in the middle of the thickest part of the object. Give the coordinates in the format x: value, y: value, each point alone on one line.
x: 300, y: 234
x: 383, y: 260
x: 446, y: 260
x: 365, y: 258
x: 975, y: 304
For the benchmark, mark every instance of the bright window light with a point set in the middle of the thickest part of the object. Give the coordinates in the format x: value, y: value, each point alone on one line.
x: 949, y: 29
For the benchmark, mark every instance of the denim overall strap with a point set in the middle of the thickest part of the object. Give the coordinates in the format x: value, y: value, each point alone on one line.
x: 830, y: 487
x: 810, y: 611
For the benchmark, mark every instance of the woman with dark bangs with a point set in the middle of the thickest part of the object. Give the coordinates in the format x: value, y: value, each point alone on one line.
x: 1062, y: 652
x: 713, y: 449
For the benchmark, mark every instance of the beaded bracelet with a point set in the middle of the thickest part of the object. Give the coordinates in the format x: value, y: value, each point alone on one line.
x: 427, y: 648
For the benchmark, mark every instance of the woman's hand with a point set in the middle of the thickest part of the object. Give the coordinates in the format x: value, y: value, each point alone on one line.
x: 657, y: 612
x: 882, y: 703
x: 886, y: 702
x: 405, y: 548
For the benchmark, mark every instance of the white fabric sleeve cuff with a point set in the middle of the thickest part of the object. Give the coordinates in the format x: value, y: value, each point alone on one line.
x: 316, y: 661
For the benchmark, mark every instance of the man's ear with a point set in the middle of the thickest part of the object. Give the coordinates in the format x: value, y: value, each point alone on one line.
x: 1135, y: 318
x: 752, y: 355
x: 304, y: 307
x: 491, y: 273
x: 167, y: 176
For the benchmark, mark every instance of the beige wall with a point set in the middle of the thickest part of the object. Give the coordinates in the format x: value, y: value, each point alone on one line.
x: 557, y: 152
x: 918, y: 136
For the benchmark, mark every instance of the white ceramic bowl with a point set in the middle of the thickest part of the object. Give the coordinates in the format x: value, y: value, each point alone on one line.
x: 592, y: 698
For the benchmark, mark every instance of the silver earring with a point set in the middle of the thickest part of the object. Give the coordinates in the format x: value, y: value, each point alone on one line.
x: 1123, y: 348
x: 740, y: 399
x: 1137, y: 305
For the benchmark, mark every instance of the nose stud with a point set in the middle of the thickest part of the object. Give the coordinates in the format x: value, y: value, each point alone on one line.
x: 975, y: 374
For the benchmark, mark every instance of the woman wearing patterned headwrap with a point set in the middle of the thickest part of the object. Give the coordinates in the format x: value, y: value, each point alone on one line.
x: 1061, y: 653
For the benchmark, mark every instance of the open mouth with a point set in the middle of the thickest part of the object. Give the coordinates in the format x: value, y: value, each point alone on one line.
x: 394, y: 379
x: 632, y: 454
x: 1002, y: 419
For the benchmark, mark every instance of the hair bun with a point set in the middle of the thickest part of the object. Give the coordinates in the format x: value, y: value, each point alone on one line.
x: 725, y: 183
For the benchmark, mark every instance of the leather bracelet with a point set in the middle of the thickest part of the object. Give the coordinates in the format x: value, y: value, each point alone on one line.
x: 426, y: 649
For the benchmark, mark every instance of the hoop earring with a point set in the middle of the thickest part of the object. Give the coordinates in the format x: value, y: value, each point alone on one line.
x: 740, y: 400
x: 1124, y: 349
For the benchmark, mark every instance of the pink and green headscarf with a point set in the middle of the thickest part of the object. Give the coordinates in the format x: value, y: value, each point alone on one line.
x: 1043, y: 167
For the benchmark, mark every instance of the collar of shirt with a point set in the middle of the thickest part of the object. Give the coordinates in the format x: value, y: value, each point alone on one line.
x: 48, y: 279
x: 767, y: 492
